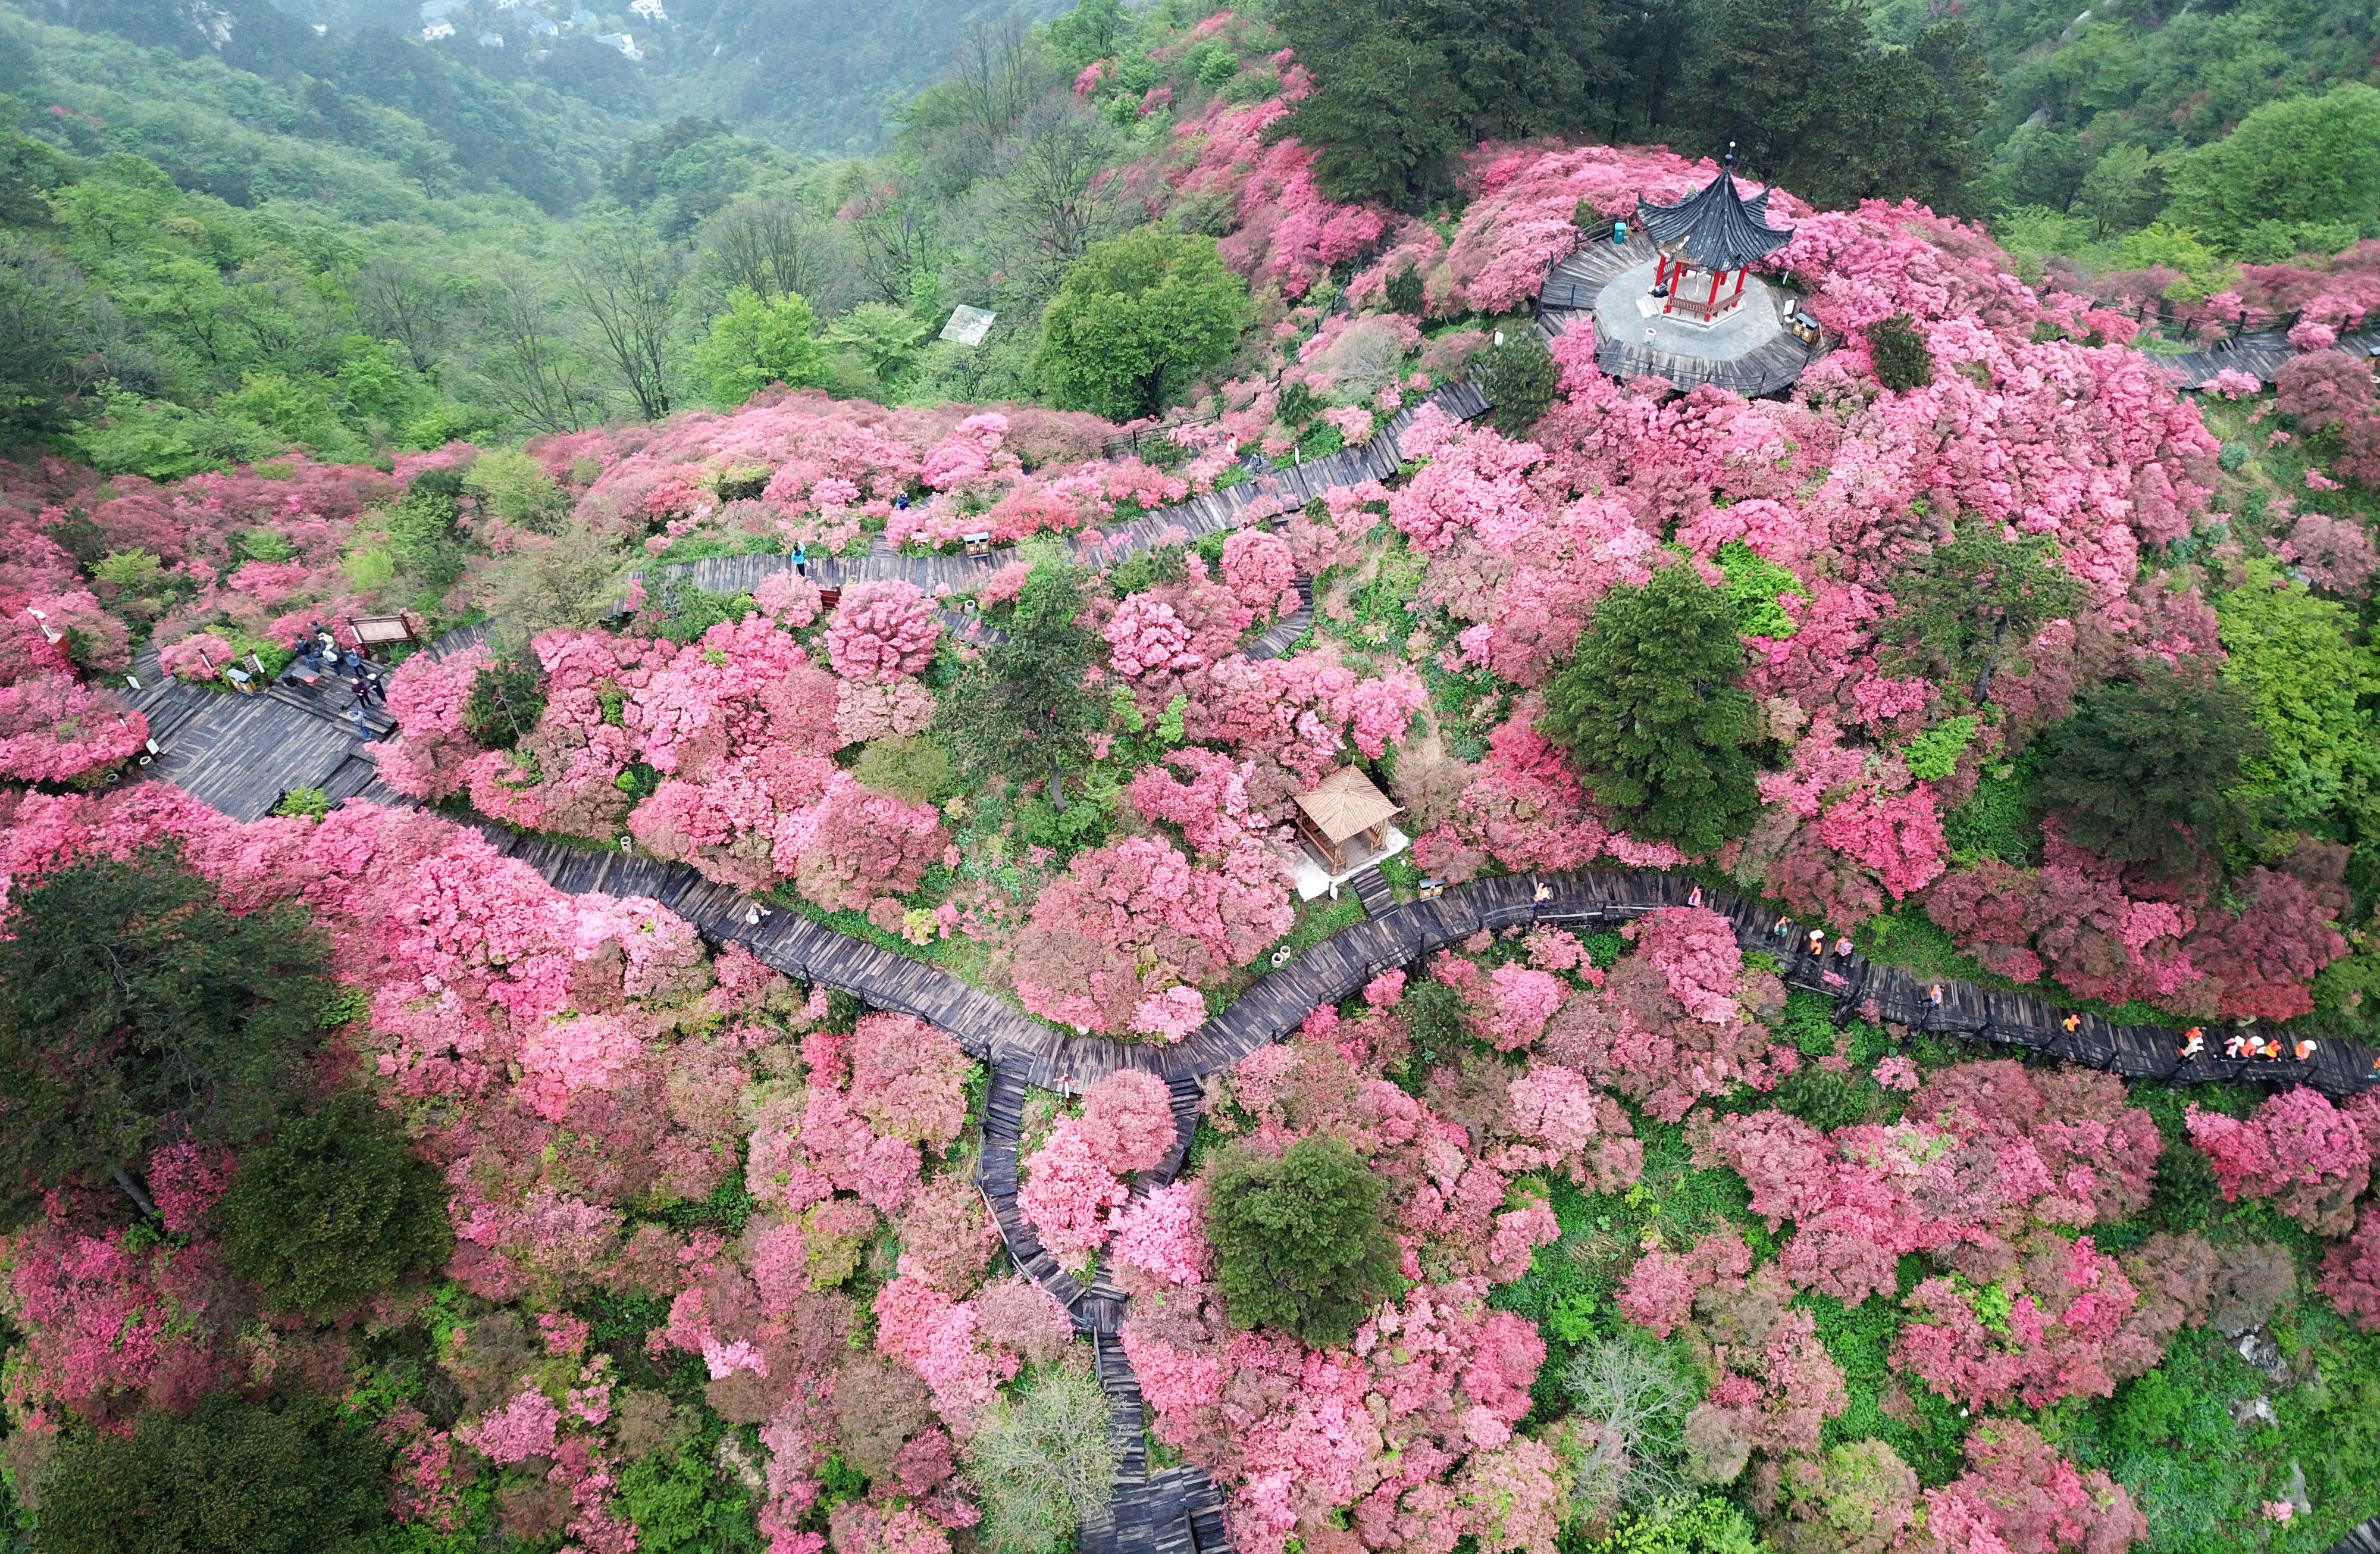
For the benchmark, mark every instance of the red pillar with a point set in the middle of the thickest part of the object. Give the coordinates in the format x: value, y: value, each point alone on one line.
x: 1711, y: 306
x: 1739, y: 290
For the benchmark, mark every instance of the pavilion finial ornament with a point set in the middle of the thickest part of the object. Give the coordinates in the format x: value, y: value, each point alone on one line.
x: 1713, y: 233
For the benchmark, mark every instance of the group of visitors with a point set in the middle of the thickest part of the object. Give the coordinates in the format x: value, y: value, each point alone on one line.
x: 320, y: 656
x: 2249, y: 1044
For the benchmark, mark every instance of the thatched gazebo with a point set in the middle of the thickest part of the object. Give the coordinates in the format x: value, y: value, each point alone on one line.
x: 1344, y: 809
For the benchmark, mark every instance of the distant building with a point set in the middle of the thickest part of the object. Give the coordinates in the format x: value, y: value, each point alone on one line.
x: 649, y: 9
x: 436, y: 31
x: 582, y: 19
x: 625, y: 41
x: 968, y: 326
x: 492, y: 40
x: 541, y: 26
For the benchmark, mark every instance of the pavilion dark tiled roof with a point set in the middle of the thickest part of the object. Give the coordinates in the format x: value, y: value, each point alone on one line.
x: 1715, y: 227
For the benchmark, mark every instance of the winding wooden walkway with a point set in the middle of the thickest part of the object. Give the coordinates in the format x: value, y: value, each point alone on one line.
x: 1295, y: 483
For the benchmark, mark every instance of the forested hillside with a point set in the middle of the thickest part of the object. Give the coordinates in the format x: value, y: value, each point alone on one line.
x: 1164, y: 803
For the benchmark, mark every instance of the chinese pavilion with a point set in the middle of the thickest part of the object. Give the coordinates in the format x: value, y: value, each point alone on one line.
x: 1707, y: 241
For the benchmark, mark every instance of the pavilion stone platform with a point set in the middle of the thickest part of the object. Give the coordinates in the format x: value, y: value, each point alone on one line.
x: 1675, y: 299
x: 1626, y: 311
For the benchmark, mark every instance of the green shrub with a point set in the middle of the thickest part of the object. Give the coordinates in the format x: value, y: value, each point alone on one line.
x: 1934, y: 755
x: 1902, y: 361
x: 1708, y: 1525
x: 1040, y: 1461
x: 1753, y: 583
x: 1520, y: 377
x: 506, y: 698
x: 915, y: 767
x: 308, y: 804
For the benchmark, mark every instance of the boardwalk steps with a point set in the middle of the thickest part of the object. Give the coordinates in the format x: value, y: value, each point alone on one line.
x: 1372, y: 890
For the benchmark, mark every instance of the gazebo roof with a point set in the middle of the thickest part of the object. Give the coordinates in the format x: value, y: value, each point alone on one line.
x: 1715, y: 227
x: 1346, y: 804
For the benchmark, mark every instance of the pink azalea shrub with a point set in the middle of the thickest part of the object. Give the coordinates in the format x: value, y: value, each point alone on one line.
x: 2296, y: 1148
x: 1127, y: 919
x: 1678, y: 1020
x: 1984, y: 1153
x: 882, y: 630
x: 56, y: 729
x: 1258, y: 569
x: 2019, y: 1496
x: 1286, y: 231
x: 2350, y: 1272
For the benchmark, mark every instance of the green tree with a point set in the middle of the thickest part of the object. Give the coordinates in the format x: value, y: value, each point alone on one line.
x: 425, y: 527
x: 883, y: 339
x: 2149, y: 772
x: 1813, y: 103
x: 1401, y: 85
x: 232, y: 1477
x: 1652, y: 715
x: 2121, y: 190
x: 1136, y: 318
x: 332, y: 1211
x: 754, y: 344
x: 1040, y: 1461
x: 2296, y: 168
x: 134, y: 1006
x: 1300, y: 1241
x: 2296, y: 659
x: 1521, y: 377
x: 1978, y: 598
x: 1088, y: 32
x: 1023, y: 703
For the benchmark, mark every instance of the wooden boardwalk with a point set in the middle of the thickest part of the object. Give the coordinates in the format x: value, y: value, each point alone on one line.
x: 1300, y: 482
x: 2259, y: 353
x: 239, y: 753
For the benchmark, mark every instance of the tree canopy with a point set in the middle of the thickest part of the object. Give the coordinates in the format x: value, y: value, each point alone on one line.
x: 134, y: 1006
x: 1978, y: 598
x: 333, y: 1210
x: 2297, y: 173
x: 1024, y: 703
x: 234, y: 1477
x: 756, y: 343
x: 1651, y: 713
x: 2149, y: 771
x: 1135, y: 318
x: 1300, y: 1241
